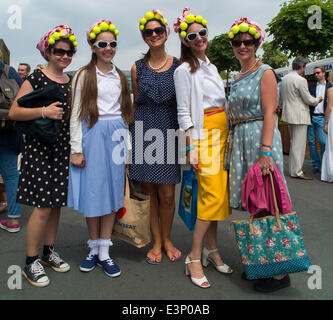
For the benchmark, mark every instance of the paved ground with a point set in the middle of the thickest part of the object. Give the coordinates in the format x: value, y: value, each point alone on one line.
x: 312, y: 201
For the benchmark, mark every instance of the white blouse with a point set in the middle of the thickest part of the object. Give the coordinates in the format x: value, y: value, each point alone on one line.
x: 213, y: 86
x: 196, y: 92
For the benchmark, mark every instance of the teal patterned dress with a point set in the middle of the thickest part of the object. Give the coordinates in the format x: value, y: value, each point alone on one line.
x: 245, y: 104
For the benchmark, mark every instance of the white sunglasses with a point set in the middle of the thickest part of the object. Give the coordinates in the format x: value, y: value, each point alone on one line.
x: 103, y: 44
x: 192, y: 36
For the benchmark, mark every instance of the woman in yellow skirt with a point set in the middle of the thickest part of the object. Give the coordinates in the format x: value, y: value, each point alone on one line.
x: 200, y: 103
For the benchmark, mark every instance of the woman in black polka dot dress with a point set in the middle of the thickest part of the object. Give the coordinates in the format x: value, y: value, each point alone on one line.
x: 44, y: 166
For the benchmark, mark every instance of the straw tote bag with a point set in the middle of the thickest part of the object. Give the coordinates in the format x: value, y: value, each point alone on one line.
x: 271, y: 245
x: 132, y: 223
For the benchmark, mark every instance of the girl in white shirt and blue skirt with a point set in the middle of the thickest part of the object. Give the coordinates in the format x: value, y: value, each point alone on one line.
x: 101, y: 111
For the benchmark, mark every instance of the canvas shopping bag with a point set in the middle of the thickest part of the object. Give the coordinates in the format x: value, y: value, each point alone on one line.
x: 271, y: 245
x: 132, y: 223
x: 187, y: 209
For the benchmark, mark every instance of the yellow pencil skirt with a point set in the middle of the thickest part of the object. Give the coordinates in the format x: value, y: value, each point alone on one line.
x: 213, y: 189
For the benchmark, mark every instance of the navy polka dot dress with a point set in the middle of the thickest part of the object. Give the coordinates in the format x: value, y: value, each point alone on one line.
x: 154, y: 150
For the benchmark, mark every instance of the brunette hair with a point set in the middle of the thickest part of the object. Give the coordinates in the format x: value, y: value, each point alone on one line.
x: 322, y: 69
x: 186, y: 55
x: 88, y: 103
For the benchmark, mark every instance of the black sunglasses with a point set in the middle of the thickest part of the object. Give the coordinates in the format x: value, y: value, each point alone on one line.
x: 247, y: 43
x: 103, y: 44
x: 61, y: 52
x: 192, y: 36
x: 318, y: 72
x: 149, y: 32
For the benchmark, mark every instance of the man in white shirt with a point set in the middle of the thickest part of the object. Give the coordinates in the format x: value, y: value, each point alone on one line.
x: 318, y: 89
x: 295, y: 99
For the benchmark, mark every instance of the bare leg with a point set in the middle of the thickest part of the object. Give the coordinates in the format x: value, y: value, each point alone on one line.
x: 200, y: 230
x: 36, y: 229
x: 211, y: 243
x: 93, y: 227
x: 52, y: 227
x: 151, y: 190
x: 166, y: 196
x: 106, y: 225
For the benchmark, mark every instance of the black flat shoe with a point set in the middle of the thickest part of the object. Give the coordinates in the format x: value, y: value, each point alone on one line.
x: 272, y: 285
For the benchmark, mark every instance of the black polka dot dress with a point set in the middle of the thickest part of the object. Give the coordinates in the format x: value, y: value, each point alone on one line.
x: 154, y: 154
x: 44, y: 167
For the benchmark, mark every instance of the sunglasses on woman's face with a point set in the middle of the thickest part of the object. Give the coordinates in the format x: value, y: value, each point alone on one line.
x: 61, y: 52
x: 192, y: 36
x: 103, y: 44
x: 149, y: 32
x: 247, y: 43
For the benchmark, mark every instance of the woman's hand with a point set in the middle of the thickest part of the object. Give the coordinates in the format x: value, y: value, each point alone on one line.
x: 78, y: 160
x: 266, y: 164
x: 325, y: 128
x: 192, y: 158
x: 54, y: 112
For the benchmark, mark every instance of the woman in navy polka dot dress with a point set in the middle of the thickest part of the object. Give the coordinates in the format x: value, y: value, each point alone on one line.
x: 154, y: 158
x: 44, y: 167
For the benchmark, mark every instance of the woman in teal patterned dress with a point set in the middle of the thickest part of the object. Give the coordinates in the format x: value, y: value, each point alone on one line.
x: 255, y: 135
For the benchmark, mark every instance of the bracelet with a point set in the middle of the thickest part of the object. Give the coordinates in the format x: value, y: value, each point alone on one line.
x: 264, y: 153
x: 43, y: 115
x: 267, y: 146
x: 187, y: 148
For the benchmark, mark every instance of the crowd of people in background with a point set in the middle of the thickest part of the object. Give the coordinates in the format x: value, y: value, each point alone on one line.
x: 169, y: 93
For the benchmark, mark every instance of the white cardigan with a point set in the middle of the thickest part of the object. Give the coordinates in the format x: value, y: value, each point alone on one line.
x: 189, y: 94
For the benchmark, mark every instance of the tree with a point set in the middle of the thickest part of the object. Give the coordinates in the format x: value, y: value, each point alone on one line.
x: 274, y: 57
x: 303, y: 27
x: 222, y: 55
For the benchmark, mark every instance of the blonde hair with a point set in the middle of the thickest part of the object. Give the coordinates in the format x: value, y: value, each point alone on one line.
x: 330, y: 77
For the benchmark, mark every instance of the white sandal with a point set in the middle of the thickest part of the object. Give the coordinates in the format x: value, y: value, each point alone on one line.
x: 197, y: 281
x: 205, y: 261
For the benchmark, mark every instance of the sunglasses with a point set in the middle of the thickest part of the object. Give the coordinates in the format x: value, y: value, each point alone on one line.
x: 319, y: 72
x: 247, y: 43
x: 61, y: 52
x: 192, y: 36
x: 103, y: 44
x: 149, y: 32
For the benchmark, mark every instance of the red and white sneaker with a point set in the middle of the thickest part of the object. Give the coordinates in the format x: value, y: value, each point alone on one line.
x: 10, y: 228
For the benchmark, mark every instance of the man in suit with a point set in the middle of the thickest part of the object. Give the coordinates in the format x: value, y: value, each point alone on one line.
x: 318, y: 88
x: 295, y: 100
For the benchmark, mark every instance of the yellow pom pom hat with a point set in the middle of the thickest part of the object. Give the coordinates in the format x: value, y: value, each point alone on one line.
x: 183, y: 22
x: 55, y: 34
x: 100, y: 26
x: 246, y: 25
x: 154, y: 15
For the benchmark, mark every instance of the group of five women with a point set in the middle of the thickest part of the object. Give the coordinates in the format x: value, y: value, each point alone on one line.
x: 80, y: 169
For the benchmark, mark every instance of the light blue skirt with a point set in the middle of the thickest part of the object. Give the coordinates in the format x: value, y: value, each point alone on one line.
x: 98, y: 188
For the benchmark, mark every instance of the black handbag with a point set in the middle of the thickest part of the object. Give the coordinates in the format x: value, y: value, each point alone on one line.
x: 45, y: 130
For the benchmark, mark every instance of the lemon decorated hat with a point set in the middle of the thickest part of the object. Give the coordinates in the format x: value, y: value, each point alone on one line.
x: 100, y: 26
x: 244, y: 25
x: 182, y: 24
x: 54, y: 35
x: 154, y: 14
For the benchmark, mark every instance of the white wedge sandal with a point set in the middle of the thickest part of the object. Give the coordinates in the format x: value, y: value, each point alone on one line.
x: 205, y: 261
x: 197, y: 281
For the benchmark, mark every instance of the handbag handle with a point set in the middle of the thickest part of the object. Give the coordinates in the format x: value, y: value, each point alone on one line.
x: 277, y: 211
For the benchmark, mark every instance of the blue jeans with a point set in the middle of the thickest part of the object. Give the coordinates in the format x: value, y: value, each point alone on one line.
x: 10, y: 176
x: 316, y: 126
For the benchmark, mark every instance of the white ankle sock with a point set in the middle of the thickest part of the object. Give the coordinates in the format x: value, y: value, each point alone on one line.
x: 93, y: 246
x: 103, y: 249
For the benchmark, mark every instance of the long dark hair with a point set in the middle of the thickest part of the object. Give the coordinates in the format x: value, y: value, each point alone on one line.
x: 88, y: 103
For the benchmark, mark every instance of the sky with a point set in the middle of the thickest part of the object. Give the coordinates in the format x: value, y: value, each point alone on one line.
x: 31, y: 19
